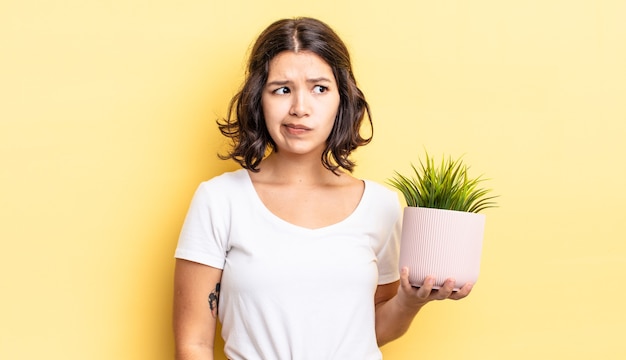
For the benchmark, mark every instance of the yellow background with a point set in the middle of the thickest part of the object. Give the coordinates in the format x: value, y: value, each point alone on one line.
x: 107, y: 113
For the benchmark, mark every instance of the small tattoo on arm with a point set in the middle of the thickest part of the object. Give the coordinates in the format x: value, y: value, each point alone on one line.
x: 214, y: 298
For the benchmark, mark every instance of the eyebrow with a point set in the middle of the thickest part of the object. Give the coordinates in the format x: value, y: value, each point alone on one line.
x: 285, y: 82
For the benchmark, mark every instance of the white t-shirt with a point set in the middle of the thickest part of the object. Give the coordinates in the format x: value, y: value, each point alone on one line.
x: 289, y: 292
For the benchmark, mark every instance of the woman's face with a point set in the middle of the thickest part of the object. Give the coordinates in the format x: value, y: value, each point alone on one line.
x: 300, y: 102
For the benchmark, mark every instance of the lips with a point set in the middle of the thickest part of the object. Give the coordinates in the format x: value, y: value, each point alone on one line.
x: 296, y: 129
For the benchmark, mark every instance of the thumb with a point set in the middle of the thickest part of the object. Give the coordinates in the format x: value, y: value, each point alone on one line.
x: 404, y: 278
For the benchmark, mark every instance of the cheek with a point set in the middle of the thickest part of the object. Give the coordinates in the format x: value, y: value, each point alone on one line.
x: 272, y: 110
x: 335, y: 112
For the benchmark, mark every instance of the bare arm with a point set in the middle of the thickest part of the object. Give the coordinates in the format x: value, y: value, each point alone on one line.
x: 398, y: 303
x: 196, y: 293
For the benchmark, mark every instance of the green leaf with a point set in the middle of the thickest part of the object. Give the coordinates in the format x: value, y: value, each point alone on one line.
x: 446, y: 186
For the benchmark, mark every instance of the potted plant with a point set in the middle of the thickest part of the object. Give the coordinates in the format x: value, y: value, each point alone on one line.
x: 442, y: 232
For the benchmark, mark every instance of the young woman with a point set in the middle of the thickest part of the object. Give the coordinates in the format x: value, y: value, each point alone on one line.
x: 297, y: 258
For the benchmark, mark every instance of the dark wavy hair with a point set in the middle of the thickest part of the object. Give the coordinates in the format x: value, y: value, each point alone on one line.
x: 245, y: 124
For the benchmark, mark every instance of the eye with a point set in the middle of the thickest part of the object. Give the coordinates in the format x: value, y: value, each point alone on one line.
x: 318, y: 89
x: 281, y: 91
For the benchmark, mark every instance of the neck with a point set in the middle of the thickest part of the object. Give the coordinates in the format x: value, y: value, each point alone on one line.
x: 296, y: 169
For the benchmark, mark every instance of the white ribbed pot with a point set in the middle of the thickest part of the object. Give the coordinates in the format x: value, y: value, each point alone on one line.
x: 442, y: 243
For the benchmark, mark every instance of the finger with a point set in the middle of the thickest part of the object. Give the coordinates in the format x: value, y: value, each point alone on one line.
x: 421, y: 292
x: 426, y: 289
x: 404, y: 279
x: 445, y: 290
x: 463, y: 292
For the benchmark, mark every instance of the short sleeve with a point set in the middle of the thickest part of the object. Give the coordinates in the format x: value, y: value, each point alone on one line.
x: 388, y: 256
x: 204, y: 235
x: 388, y: 253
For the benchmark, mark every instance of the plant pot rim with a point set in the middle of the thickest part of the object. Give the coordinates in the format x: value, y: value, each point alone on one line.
x: 439, y: 209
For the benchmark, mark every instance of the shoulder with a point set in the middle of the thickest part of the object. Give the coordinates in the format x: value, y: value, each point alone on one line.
x: 382, y: 199
x: 379, y: 192
x: 222, y: 188
x: 225, y: 182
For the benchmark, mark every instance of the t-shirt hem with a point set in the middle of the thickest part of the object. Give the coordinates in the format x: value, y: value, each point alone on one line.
x: 199, y: 258
x: 388, y: 279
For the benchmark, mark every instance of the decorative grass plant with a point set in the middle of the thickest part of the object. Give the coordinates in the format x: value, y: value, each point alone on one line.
x: 447, y: 186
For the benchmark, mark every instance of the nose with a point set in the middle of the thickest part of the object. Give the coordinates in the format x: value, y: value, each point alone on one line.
x: 300, y: 105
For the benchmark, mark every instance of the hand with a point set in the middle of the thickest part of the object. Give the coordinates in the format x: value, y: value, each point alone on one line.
x: 418, y: 297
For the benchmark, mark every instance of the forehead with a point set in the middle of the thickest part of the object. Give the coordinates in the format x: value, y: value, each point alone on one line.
x: 290, y: 64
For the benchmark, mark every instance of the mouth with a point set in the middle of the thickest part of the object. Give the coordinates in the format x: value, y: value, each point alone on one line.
x: 296, y: 129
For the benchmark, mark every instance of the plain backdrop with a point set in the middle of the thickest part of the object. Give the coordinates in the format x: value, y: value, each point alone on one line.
x: 107, y: 125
